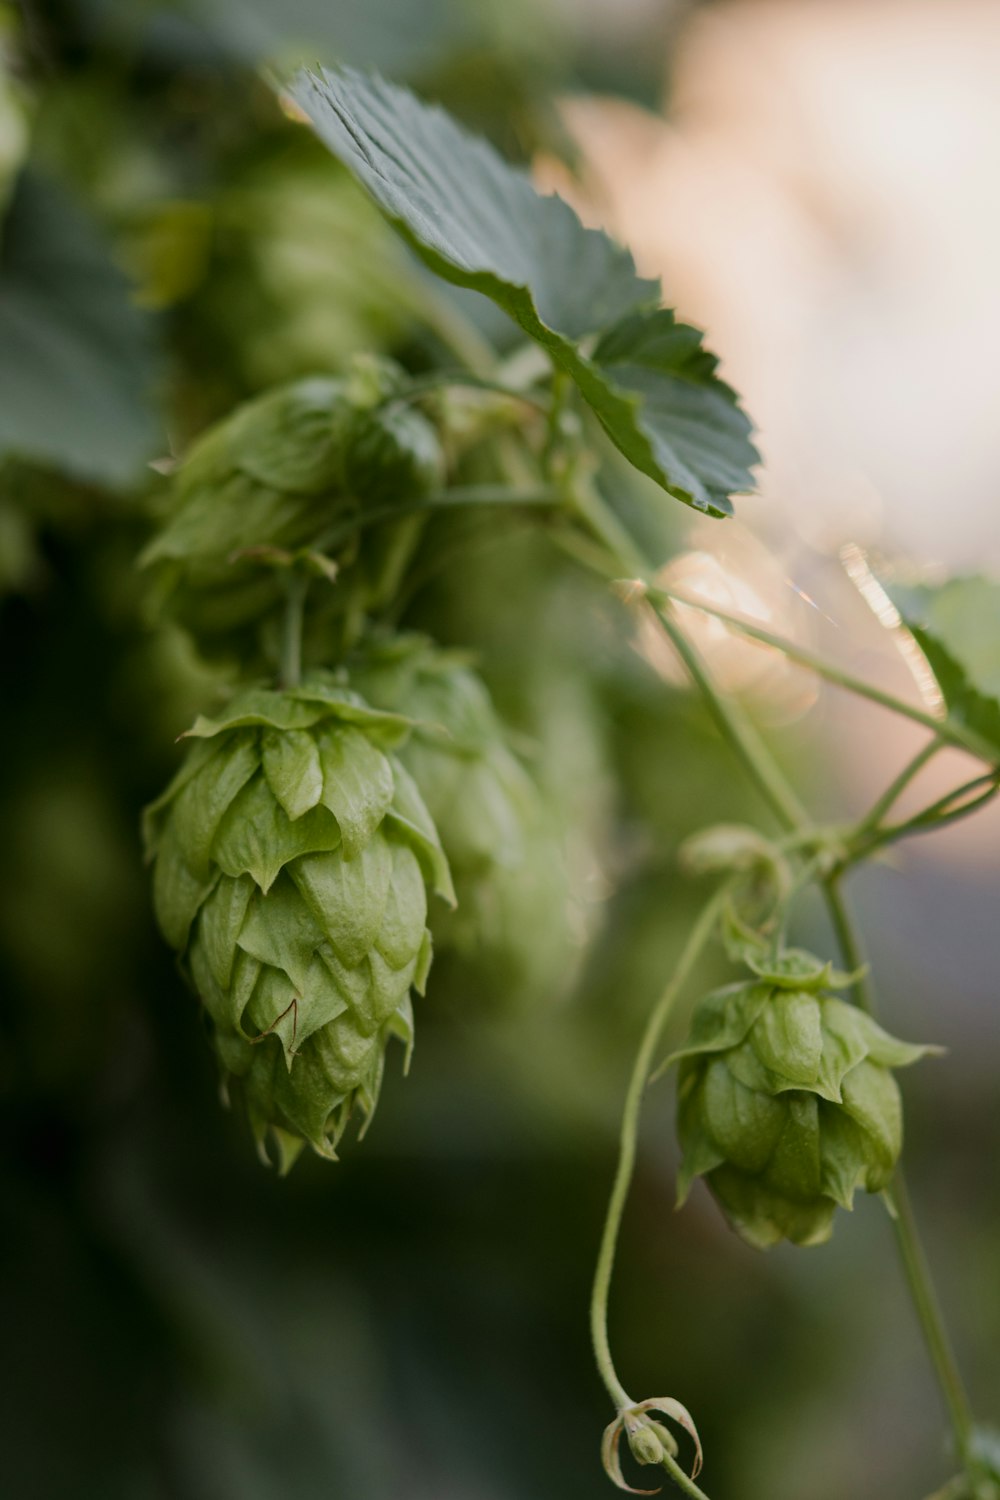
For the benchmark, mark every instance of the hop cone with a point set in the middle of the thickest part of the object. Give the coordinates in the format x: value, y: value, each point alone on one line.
x: 280, y: 474
x: 505, y: 856
x: 292, y: 858
x: 787, y: 1105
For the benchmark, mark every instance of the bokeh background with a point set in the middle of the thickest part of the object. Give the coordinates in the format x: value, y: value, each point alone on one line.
x: 817, y: 182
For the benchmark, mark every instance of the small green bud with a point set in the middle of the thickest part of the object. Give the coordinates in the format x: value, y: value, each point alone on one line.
x: 271, y: 482
x: 264, y: 480
x: 649, y: 1440
x: 787, y: 1104
x: 292, y: 855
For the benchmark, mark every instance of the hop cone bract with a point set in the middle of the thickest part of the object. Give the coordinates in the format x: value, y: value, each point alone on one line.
x: 292, y: 858
x: 787, y: 1105
x: 505, y: 854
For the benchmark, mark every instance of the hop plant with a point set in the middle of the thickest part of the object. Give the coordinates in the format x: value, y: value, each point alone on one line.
x: 292, y: 856
x: 786, y: 1102
x: 292, y: 470
x: 505, y: 855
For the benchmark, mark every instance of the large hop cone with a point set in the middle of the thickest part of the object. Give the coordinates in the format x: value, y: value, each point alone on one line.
x: 787, y: 1104
x: 291, y: 470
x: 293, y: 854
x: 504, y: 852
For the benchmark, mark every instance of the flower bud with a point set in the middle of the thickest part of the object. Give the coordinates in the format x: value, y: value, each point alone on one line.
x: 293, y: 853
x: 787, y: 1104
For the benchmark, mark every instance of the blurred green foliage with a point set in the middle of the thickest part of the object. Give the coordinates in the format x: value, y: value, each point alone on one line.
x: 178, y: 1322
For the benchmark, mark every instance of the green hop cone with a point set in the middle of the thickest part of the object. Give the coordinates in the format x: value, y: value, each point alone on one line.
x: 787, y: 1104
x: 293, y: 853
x: 291, y: 471
x: 505, y: 855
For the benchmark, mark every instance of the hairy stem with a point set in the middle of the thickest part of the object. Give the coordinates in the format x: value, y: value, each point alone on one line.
x: 658, y: 1017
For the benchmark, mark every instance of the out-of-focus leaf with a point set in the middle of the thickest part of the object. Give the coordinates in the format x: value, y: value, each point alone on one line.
x: 478, y: 223
x: 957, y: 627
x: 76, y: 359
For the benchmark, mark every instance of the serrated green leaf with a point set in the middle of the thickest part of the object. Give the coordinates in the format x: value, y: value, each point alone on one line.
x: 256, y: 837
x: 347, y: 897
x: 957, y: 626
x: 479, y: 224
x: 357, y: 783
x: 291, y: 765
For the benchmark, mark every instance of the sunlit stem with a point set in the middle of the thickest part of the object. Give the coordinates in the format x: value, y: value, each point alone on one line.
x: 945, y: 730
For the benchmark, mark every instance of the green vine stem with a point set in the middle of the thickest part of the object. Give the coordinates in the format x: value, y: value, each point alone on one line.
x: 897, y: 1197
x: 944, y: 729
x: 895, y: 789
x: 757, y: 758
x: 699, y: 936
x: 291, y: 634
x: 939, y: 815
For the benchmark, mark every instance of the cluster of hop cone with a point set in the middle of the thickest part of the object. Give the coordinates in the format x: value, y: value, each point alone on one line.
x: 318, y: 828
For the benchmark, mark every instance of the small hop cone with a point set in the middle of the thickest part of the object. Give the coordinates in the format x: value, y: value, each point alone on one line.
x: 293, y: 854
x: 270, y: 479
x: 787, y: 1104
x: 505, y: 855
